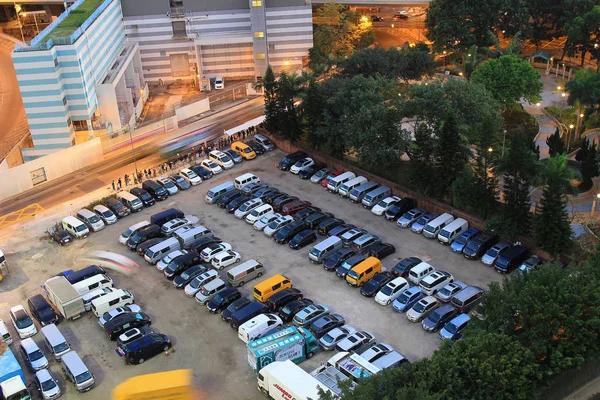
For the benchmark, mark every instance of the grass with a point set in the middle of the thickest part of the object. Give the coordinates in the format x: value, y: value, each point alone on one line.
x: 75, y: 19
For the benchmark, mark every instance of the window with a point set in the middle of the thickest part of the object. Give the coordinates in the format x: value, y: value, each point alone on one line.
x: 260, y: 56
x: 38, y: 176
x: 179, y: 29
x: 271, y: 47
x: 56, y: 62
x: 64, y: 101
x: 256, y: 3
x: 259, y: 34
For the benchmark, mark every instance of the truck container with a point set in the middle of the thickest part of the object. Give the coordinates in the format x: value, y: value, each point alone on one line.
x: 352, y: 366
x: 12, y: 379
x: 284, y: 380
x: 331, y: 377
x: 170, y: 385
x: 65, y: 297
x: 292, y: 343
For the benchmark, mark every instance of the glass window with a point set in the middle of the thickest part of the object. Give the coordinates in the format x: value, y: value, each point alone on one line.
x: 260, y: 56
x: 256, y: 3
x: 259, y: 34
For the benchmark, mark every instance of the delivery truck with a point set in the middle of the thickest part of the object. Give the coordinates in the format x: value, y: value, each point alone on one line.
x: 170, y: 385
x: 12, y: 379
x: 65, y: 298
x: 284, y: 380
x: 352, y: 366
x: 291, y: 343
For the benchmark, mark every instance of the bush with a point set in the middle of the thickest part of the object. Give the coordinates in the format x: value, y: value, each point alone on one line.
x: 98, y: 202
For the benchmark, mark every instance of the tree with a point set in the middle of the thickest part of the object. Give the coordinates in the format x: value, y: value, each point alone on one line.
x: 509, y: 78
x: 484, y: 194
x: 272, y: 111
x: 585, y: 90
x: 312, y: 112
x: 451, y: 155
x: 555, y: 144
x: 289, y: 124
x: 587, y: 155
x: 582, y: 32
x: 546, y: 19
x: 414, y: 64
x: 421, y: 154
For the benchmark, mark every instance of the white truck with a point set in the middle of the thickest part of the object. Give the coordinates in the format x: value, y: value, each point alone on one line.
x: 341, y: 367
x: 284, y: 380
x: 63, y: 295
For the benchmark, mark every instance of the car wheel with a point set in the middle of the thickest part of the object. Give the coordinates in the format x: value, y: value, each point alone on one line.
x: 167, y: 348
x: 141, y: 361
x: 309, y: 355
x: 259, y: 275
x: 237, y: 260
x: 241, y: 283
x: 388, y: 302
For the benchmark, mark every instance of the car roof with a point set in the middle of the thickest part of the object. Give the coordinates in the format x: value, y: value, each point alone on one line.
x: 460, y: 319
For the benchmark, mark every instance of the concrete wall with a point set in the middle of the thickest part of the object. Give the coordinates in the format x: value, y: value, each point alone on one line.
x: 193, y: 109
x: 57, y: 164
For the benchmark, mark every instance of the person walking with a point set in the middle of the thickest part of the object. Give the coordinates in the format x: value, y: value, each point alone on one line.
x: 119, y: 182
x: 155, y: 172
x: 126, y: 180
x: 113, y: 184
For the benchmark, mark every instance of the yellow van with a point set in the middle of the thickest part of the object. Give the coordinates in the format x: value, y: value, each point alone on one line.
x: 272, y: 285
x: 363, y: 272
x: 243, y: 150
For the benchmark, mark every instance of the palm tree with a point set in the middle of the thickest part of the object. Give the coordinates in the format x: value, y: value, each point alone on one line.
x: 513, y: 48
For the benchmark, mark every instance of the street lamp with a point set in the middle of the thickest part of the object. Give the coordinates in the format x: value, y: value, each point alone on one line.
x: 597, y: 198
x: 579, y: 118
x: 444, y: 52
x: 569, y: 137
x: 562, y: 103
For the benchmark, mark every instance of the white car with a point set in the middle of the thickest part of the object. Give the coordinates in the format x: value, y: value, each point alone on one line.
x: 247, y: 207
x: 225, y: 258
x: 22, y: 322
x: 166, y: 260
x: 376, y: 351
x: 211, y: 166
x: 381, y: 207
x: 391, y: 291
x: 301, y: 165
x: 422, y: 308
x: 196, y: 284
x: 209, y: 252
x: 221, y: 158
x: 435, y: 281
x: 334, y: 336
x: 219, y: 83
x: 107, y: 216
x: 191, y: 176
x: 168, y: 185
x: 258, y: 213
x: 47, y: 385
x: 107, y: 316
x: 276, y: 225
x: 171, y: 226
x: 266, y: 220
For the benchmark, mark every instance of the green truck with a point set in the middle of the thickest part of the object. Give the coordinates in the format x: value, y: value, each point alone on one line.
x: 295, y: 344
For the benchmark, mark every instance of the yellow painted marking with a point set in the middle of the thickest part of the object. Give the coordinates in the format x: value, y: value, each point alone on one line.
x: 19, y: 215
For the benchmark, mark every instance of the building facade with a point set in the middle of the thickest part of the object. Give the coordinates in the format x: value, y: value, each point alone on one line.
x: 199, y: 39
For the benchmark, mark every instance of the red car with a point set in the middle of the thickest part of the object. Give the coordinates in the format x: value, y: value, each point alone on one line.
x: 332, y: 175
x: 294, y: 207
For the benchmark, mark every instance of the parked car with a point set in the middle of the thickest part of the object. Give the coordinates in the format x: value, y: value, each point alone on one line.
x: 107, y: 316
x: 422, y: 309
x: 269, y: 198
x: 496, y: 251
x: 290, y: 309
x: 202, y: 172
x: 375, y: 284
x: 168, y: 185
x: 409, y: 217
x: 188, y: 275
x: 225, y: 258
x: 327, y: 225
x: 212, y: 166
x: 141, y: 248
x: 227, y: 198
x: 281, y: 201
x: 234, y: 156
x: 419, y: 225
x: 330, y: 176
x: 223, y: 299
x: 235, y: 203
x: 258, y: 149
x: 384, y: 205
x: 407, y: 299
x: 332, y: 262
x: 133, y: 334
x: 290, y: 159
x: 400, y: 208
x: 302, y: 164
x: 306, y: 212
x: 47, y: 385
x: 326, y: 323
x: 233, y: 307
x: 252, y: 187
x: 530, y: 264
x: 264, y: 192
x: 144, y: 348
x: 294, y: 207
x: 376, y: 351
x: 391, y: 291
x: 460, y: 242
x: 171, y: 226
x: 340, y: 230
x: 166, y: 260
x: 307, y: 315
x: 107, y: 216
x: 334, y: 336
x: 22, y: 322
x: 285, y: 234
x: 315, y: 219
x: 266, y: 220
x: 435, y: 281
x: 381, y: 250
x: 439, y: 318
x: 404, y: 266
x: 448, y: 291
x: 212, y: 250
x: 303, y: 239
x: 196, y: 284
x: 180, y: 181
x: 308, y: 172
x: 199, y: 245
x: 282, y: 298
x: 350, y: 263
x: 276, y: 225
x: 115, y: 327
x: 354, y: 341
x: 351, y: 235
x: 453, y: 329
x: 62, y: 237
x: 191, y: 176
x: 320, y: 175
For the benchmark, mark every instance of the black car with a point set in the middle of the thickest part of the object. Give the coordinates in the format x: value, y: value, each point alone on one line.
x: 404, y: 266
x: 439, y: 318
x: 201, y: 172
x: 62, y: 237
x: 258, y: 149
x: 234, y: 156
x: 326, y: 323
x: 235, y: 203
x: 480, y: 244
x: 332, y: 262
x: 233, y: 307
x: 188, y: 275
x: 279, y: 202
x: 340, y: 230
x: 290, y: 309
x: 286, y: 233
x: 398, y: 209
x: 280, y: 299
x: 144, y: 348
x: 289, y: 160
x: 203, y: 243
x: 381, y: 250
x: 260, y: 193
x: 302, y: 239
x: 327, y: 225
x: 133, y: 334
x: 180, y: 264
x: 223, y: 299
x: 141, y: 249
x: 271, y: 197
x: 305, y: 212
x: 375, y: 284
x: 180, y: 181
x: 315, y: 219
x: 308, y: 172
x: 149, y: 232
x: 246, y: 313
x: 144, y: 196
x: 125, y: 322
x: 226, y: 198
x: 116, y: 207
x: 350, y: 263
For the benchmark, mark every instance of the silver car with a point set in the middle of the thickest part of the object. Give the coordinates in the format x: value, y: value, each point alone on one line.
x: 419, y: 225
x: 105, y: 214
x: 354, y: 341
x: 170, y: 227
x: 276, y: 225
x: 47, y: 385
x: 422, y: 309
x: 376, y: 351
x: 409, y: 217
x: 496, y: 251
x: 450, y: 290
x: 166, y: 260
x: 168, y: 185
x: 320, y: 175
x: 107, y: 316
x: 266, y: 220
x: 334, y: 336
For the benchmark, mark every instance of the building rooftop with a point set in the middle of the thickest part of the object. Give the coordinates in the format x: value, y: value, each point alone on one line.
x: 74, y: 20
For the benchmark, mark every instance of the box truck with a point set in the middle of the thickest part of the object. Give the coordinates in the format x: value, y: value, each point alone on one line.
x: 169, y: 385
x: 65, y: 297
x: 12, y: 379
x: 284, y: 380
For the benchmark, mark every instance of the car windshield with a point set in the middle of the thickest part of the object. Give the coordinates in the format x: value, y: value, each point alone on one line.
x: 299, y: 163
x: 192, y: 175
x: 83, y: 377
x: 404, y: 298
x: 422, y: 221
x: 328, y: 338
x: 248, y: 150
x: 451, y: 328
x: 168, y: 184
x: 353, y: 274
x: 127, y: 233
x: 387, y: 290
x: 435, y: 317
x: 445, y: 292
x: 150, y: 253
x: 320, y: 173
x: 48, y: 385
x: 419, y: 307
x: 461, y: 239
x: 493, y: 252
x: 81, y: 228
x: 94, y: 219
x: 473, y: 245
x: 205, y: 291
x: 393, y: 209
x: 315, y: 252
x: 429, y: 228
x: 196, y: 283
x: 407, y: 215
x: 265, y: 219
x: 383, y: 203
x: 445, y: 233
x: 36, y: 355
x: 218, y: 299
x: 24, y: 322
x: 185, y: 274
x: 107, y: 214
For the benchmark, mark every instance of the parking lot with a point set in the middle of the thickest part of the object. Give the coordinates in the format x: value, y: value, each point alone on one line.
x: 201, y: 340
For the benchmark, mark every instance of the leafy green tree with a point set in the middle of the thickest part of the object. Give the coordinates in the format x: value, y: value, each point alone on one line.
x: 289, y: 120
x: 582, y: 32
x: 312, y: 111
x: 414, y: 64
x: 451, y: 155
x: 584, y: 89
x: 483, y: 196
x: 272, y: 111
x: 555, y: 144
x: 509, y: 78
x: 552, y: 224
x: 546, y: 20
x: 587, y: 156
x: 421, y: 154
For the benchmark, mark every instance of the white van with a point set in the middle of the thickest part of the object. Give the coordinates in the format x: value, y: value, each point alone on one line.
x: 191, y: 176
x: 77, y: 372
x: 130, y: 201
x: 258, y: 213
x: 356, y: 195
x: 210, y: 290
x: 339, y: 180
x: 345, y: 189
x: 419, y: 272
x: 434, y: 227
x: 245, y: 272
x: 159, y: 250
x: 95, y: 282
x: 187, y: 237
x: 452, y: 230
x: 91, y: 219
x: 213, y: 194
x: 245, y: 179
x: 75, y: 227
x: 375, y: 196
x: 324, y: 249
x: 132, y: 230
x: 94, y: 294
x: 264, y: 142
x: 117, y: 298
x: 259, y: 326
x: 221, y: 158
x: 4, y: 333
x: 55, y: 341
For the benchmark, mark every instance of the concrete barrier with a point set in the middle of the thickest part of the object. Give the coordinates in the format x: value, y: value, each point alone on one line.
x: 191, y: 110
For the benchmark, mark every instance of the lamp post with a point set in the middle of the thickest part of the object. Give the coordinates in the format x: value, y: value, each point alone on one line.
x: 444, y: 52
x: 562, y: 103
x: 579, y: 119
x: 17, y: 9
x: 569, y: 137
x: 133, y: 151
x: 597, y: 198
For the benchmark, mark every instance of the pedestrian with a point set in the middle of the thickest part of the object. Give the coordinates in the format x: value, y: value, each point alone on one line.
x: 140, y: 176
x: 170, y: 165
x: 126, y: 180
x: 113, y: 184
x: 135, y: 180
x: 155, y: 172
x: 119, y: 182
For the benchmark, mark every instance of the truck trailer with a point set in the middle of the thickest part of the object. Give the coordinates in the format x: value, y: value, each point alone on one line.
x: 291, y: 343
x: 65, y: 298
x: 284, y: 380
x: 170, y: 385
x: 12, y: 379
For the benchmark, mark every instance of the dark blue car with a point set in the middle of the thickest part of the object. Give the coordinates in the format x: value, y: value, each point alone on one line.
x: 407, y: 299
x: 459, y: 244
x: 201, y: 171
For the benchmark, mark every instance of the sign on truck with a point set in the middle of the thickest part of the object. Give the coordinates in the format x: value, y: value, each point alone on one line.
x: 12, y: 379
x: 65, y: 297
x: 284, y: 380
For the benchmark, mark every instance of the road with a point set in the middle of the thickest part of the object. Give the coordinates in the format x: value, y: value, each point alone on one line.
x: 100, y: 175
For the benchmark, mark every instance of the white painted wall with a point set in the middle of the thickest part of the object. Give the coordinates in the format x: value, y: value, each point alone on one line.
x: 192, y: 109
